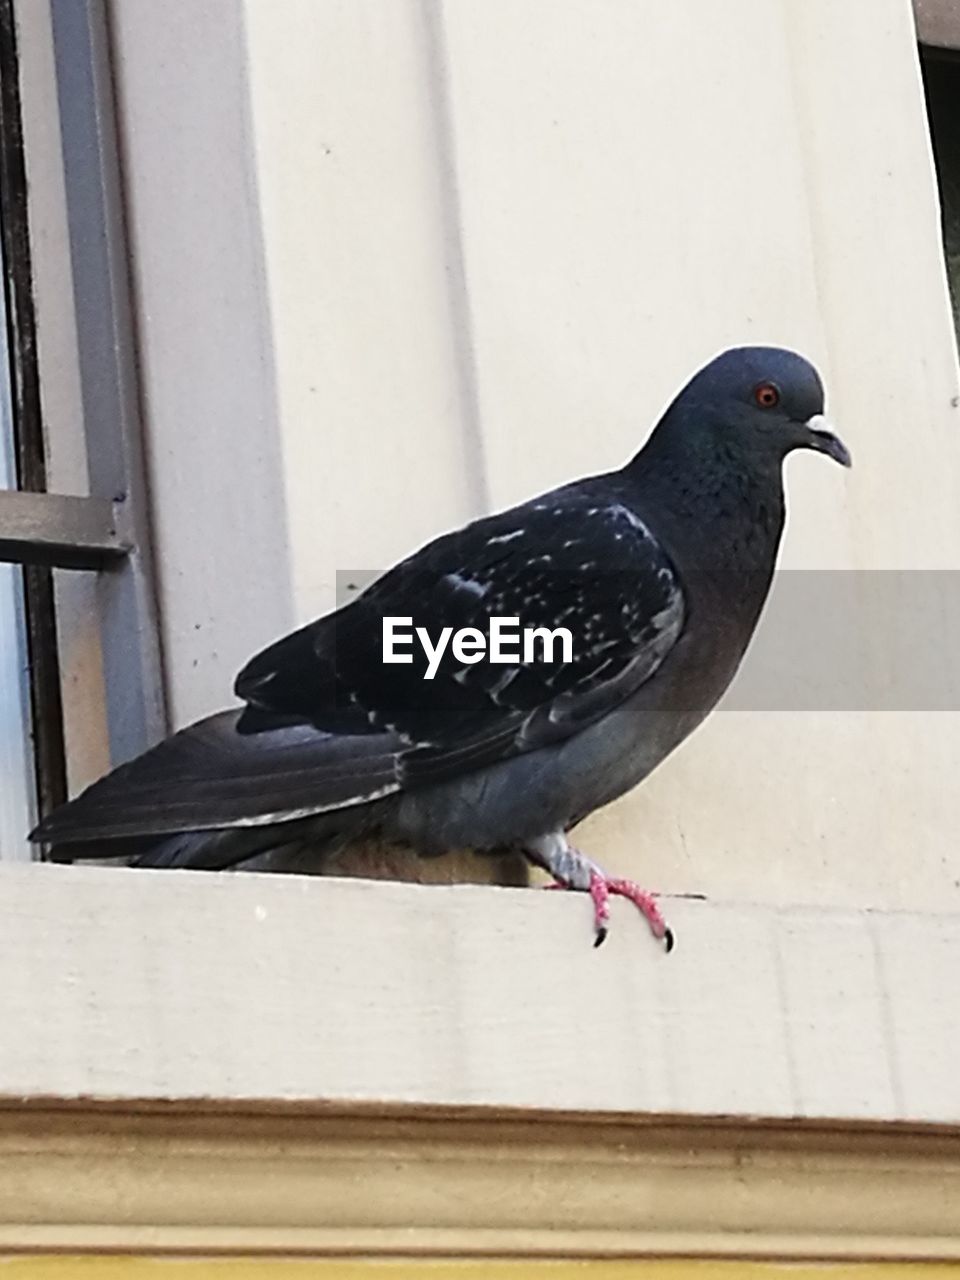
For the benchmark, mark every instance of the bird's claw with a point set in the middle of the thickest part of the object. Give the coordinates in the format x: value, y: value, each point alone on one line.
x: 602, y: 887
x: 668, y: 939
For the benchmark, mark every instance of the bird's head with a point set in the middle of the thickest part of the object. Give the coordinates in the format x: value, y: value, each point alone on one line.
x: 759, y: 403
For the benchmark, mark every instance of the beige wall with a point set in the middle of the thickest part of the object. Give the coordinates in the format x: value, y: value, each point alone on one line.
x: 400, y: 261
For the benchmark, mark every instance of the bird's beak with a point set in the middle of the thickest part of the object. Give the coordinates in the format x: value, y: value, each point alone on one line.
x: 821, y: 436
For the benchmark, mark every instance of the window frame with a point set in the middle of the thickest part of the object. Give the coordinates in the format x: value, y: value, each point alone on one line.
x: 45, y: 695
x: 106, y: 531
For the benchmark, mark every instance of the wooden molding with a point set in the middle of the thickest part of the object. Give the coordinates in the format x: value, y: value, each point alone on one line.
x: 412, y: 1182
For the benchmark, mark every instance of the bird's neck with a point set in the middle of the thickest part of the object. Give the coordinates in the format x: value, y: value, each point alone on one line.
x: 721, y: 513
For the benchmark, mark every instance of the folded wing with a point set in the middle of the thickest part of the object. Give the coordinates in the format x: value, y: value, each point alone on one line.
x: 328, y: 724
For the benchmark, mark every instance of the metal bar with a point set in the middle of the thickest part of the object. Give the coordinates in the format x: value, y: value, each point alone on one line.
x: 60, y: 532
x: 113, y: 415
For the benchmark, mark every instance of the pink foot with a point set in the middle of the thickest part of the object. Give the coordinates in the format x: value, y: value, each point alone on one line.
x: 603, y: 887
x: 571, y: 870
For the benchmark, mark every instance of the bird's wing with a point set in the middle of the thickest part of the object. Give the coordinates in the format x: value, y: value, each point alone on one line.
x: 328, y: 725
x: 209, y: 777
x: 578, y: 558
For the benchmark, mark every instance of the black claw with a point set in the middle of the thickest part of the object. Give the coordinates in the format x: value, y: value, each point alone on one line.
x: 669, y: 940
x: 601, y: 937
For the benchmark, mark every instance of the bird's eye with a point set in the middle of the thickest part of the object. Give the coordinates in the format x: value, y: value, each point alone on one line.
x: 767, y: 395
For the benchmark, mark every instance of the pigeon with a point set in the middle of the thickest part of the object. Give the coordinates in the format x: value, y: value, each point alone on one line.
x: 657, y: 573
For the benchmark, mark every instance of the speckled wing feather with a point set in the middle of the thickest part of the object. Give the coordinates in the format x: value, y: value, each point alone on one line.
x: 329, y: 726
x: 579, y: 558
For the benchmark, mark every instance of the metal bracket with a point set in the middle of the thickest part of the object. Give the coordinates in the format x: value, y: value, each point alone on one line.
x: 60, y: 532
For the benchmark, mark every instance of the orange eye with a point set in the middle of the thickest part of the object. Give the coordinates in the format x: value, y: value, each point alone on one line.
x: 767, y: 395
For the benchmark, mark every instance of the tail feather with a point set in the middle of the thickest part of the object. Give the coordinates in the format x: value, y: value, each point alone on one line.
x: 304, y: 845
x: 210, y: 778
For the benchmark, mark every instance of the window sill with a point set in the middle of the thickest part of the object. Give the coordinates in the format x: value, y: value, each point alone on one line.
x: 283, y: 1065
x: 178, y: 985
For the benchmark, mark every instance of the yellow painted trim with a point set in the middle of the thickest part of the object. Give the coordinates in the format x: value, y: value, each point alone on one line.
x: 91, y: 1268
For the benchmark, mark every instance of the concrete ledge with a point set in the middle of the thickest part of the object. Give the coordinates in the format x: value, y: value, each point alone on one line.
x: 161, y: 986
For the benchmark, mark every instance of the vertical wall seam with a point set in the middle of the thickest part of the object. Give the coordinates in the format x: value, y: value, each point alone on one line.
x: 451, y: 212
x: 266, y: 326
